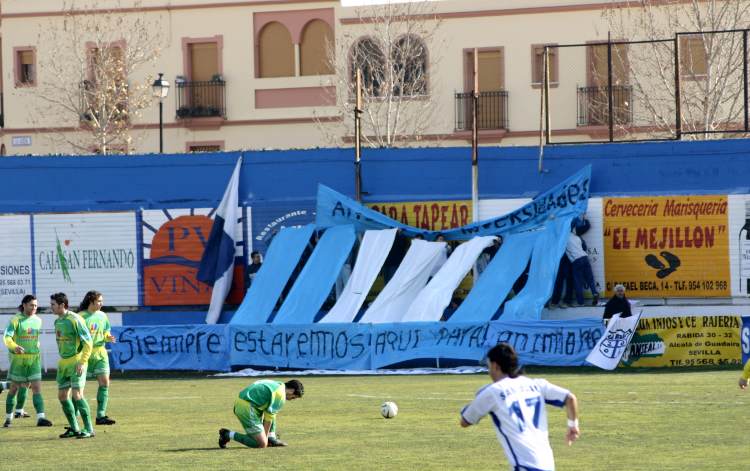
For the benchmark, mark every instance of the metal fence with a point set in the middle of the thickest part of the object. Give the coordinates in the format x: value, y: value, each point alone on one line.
x: 693, y: 84
x: 201, y: 99
x: 492, y: 110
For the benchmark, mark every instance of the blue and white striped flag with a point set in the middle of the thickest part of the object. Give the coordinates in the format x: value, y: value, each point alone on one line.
x: 217, y: 264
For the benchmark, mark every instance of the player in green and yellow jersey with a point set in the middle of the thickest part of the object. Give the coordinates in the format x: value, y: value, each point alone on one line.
x: 256, y: 408
x: 22, y: 339
x: 745, y: 375
x: 74, y: 345
x: 99, y: 327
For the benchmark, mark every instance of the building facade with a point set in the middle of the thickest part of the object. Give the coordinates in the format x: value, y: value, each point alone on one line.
x: 256, y: 74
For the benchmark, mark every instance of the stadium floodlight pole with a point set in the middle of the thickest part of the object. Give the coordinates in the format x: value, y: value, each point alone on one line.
x: 358, y: 139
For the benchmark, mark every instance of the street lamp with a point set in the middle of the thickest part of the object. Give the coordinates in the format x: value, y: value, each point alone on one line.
x: 161, y: 90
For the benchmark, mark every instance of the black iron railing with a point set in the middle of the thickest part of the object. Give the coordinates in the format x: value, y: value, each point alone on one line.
x: 2, y: 112
x: 492, y: 110
x: 593, y: 105
x: 201, y: 99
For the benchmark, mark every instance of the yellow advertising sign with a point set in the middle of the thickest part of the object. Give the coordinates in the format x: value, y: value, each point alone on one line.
x: 428, y: 215
x: 685, y: 341
x: 671, y: 246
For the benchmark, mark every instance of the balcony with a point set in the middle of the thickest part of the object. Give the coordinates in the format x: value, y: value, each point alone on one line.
x: 492, y: 110
x: 201, y: 99
x: 593, y: 106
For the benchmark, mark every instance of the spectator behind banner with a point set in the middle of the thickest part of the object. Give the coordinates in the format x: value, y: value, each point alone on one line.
x: 579, y: 259
x: 395, y: 256
x: 617, y: 304
x: 257, y: 262
x: 564, y: 276
x: 489, y: 253
x: 451, y: 308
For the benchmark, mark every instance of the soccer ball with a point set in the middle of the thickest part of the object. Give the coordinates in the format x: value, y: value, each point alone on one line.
x: 389, y: 409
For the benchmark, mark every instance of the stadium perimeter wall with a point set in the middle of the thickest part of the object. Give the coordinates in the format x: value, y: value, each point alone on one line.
x: 120, y: 214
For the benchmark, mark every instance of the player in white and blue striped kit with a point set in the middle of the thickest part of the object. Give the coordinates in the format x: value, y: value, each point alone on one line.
x: 516, y: 405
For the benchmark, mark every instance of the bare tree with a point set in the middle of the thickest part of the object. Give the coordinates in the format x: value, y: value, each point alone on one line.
x: 710, y: 64
x: 397, y: 49
x: 89, y: 62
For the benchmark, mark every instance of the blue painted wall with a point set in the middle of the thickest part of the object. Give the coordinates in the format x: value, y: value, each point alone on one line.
x: 64, y: 183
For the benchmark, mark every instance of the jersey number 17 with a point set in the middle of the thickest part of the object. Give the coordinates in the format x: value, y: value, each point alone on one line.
x: 521, y: 412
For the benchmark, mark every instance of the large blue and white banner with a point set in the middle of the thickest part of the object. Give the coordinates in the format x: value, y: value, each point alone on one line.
x: 549, y: 343
x: 327, y: 346
x: 313, y: 284
x: 268, y: 285
x: 348, y: 346
x: 171, y: 347
x: 568, y: 198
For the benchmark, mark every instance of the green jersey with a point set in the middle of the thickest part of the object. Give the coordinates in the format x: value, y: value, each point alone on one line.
x: 72, y: 336
x: 23, y: 331
x: 265, y: 395
x: 98, y: 325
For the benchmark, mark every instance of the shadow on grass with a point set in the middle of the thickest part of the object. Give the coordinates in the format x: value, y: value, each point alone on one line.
x: 183, y: 450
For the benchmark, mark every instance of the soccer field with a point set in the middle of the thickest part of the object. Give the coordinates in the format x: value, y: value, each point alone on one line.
x: 656, y: 420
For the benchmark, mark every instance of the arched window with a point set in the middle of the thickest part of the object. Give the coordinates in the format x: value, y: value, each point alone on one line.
x: 313, y: 51
x: 275, y: 51
x: 409, y: 56
x: 367, y: 56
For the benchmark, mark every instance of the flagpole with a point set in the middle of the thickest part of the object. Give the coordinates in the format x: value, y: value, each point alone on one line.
x: 475, y: 142
x: 475, y: 152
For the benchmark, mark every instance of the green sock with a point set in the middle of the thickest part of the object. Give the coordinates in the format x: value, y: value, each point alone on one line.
x: 10, y: 403
x: 102, y: 398
x: 83, y: 409
x: 70, y: 414
x: 246, y: 440
x: 38, y: 403
x: 21, y: 400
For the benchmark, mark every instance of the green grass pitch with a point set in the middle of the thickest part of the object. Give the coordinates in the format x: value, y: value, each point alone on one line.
x: 645, y: 420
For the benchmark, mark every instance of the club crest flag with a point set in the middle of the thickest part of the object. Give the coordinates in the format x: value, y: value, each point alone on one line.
x: 610, y: 348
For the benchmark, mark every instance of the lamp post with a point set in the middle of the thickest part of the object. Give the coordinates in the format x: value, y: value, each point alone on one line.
x: 160, y: 88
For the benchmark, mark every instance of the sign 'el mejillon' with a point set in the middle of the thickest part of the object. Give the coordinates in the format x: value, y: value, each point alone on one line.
x: 671, y: 246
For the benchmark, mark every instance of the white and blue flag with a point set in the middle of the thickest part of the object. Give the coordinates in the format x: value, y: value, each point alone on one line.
x: 612, y: 345
x: 217, y: 264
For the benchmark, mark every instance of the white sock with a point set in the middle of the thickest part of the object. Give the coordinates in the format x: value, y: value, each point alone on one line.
x: 9, y: 416
x: 231, y: 435
x: 5, y: 385
x: 40, y: 415
x: 19, y: 411
x: 271, y: 434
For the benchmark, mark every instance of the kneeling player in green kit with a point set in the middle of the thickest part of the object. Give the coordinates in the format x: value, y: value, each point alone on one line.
x: 99, y: 327
x: 256, y: 408
x: 74, y: 345
x: 22, y: 339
